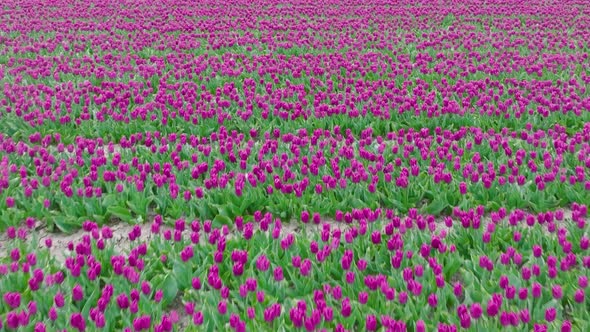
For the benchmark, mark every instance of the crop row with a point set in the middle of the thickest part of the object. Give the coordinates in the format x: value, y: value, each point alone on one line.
x: 368, y: 270
x: 227, y: 175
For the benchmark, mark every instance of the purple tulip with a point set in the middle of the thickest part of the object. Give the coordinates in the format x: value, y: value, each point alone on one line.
x: 550, y: 314
x: 583, y: 281
x: 476, y: 310
x: 557, y: 292
x: 10, y: 202
x: 536, y: 289
x: 371, y: 323
x: 420, y: 326
x: 524, y: 315
x: 198, y: 318
x: 432, y: 300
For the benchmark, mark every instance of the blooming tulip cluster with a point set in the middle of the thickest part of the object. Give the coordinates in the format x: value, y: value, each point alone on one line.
x: 378, y: 270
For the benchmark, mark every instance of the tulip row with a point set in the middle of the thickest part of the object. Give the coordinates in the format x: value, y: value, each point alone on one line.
x: 365, y: 269
x: 228, y: 174
x: 455, y: 66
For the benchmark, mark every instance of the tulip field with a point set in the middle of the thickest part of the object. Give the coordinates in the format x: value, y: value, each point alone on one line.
x: 187, y: 165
